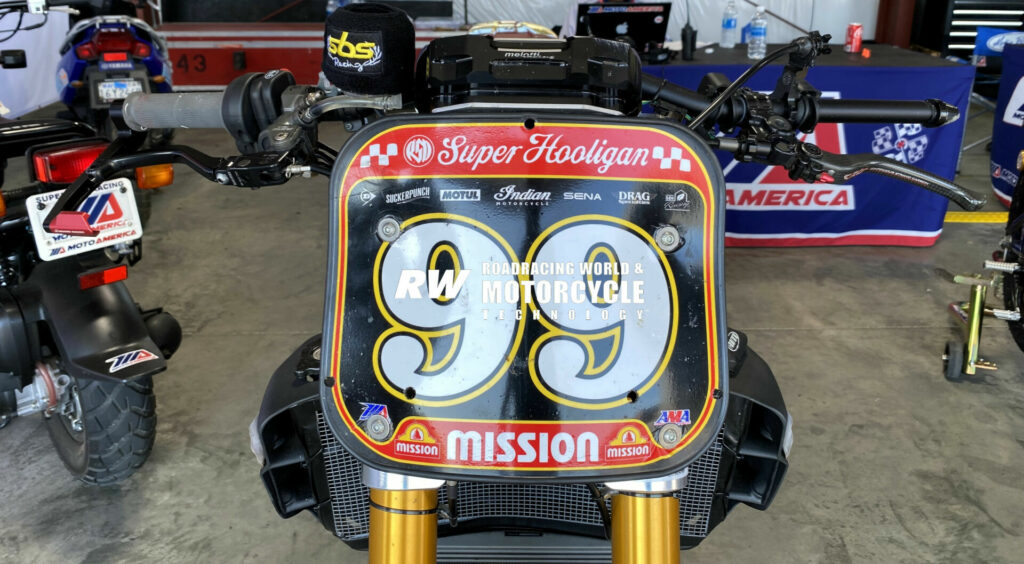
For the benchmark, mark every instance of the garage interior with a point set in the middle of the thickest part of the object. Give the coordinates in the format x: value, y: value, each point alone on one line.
x: 890, y: 461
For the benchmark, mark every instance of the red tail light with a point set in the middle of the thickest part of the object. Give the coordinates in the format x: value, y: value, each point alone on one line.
x: 85, y: 51
x: 115, y: 56
x: 140, y: 50
x: 62, y: 165
x: 88, y: 280
x: 113, y: 40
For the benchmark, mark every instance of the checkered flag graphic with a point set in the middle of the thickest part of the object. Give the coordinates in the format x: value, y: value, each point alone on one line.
x: 675, y: 154
x: 384, y: 159
x: 896, y: 142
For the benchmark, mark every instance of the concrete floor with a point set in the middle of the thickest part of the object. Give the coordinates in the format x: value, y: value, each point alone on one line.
x: 890, y: 462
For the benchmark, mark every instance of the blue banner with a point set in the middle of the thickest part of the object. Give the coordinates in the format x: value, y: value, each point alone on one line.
x: 767, y: 208
x: 1008, y: 125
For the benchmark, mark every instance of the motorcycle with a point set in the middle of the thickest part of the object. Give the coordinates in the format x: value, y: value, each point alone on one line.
x: 105, y: 58
x: 74, y: 345
x: 525, y: 350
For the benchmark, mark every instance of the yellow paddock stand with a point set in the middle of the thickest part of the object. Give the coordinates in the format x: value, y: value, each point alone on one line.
x: 645, y: 528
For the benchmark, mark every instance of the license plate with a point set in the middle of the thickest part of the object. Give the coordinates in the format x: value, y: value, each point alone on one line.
x: 112, y: 211
x: 111, y: 90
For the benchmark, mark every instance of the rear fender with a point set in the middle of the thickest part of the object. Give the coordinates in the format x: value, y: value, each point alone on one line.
x: 99, y: 332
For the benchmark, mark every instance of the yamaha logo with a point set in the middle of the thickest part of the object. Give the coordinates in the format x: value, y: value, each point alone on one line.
x: 418, y: 151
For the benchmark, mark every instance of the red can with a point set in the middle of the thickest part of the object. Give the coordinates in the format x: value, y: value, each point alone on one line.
x: 854, y: 32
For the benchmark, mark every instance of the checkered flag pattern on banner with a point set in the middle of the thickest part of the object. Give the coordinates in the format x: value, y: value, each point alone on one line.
x: 675, y: 154
x: 384, y: 159
x: 897, y: 142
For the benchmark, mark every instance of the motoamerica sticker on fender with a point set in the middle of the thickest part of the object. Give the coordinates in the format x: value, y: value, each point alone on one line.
x: 112, y: 211
x: 525, y: 299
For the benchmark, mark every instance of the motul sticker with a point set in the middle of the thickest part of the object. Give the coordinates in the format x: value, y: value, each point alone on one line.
x: 523, y: 445
x: 112, y: 212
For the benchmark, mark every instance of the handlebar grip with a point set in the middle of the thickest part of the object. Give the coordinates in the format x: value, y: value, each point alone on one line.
x: 929, y: 113
x: 196, y: 110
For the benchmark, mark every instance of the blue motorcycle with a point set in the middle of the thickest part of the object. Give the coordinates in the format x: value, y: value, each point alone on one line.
x: 106, y: 58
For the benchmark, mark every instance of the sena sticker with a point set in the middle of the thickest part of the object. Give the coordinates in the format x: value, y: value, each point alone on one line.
x: 582, y: 196
x: 357, y: 51
x: 124, y: 360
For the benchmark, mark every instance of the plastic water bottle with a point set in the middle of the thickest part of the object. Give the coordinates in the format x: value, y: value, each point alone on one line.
x: 729, y: 27
x: 332, y: 5
x: 757, y: 46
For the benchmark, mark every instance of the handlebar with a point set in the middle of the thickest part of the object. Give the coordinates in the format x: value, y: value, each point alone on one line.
x: 809, y: 111
x: 194, y: 110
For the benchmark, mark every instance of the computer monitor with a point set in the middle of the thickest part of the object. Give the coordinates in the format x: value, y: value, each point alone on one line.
x: 639, y: 24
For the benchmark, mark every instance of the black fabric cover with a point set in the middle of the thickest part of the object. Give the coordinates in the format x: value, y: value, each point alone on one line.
x: 369, y: 49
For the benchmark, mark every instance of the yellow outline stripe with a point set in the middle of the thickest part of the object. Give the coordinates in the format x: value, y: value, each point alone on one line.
x: 977, y: 217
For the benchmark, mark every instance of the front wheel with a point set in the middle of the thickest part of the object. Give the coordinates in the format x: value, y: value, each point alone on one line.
x: 104, y: 431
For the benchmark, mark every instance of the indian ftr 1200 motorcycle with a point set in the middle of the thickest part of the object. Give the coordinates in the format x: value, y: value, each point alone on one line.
x: 74, y: 345
x: 525, y: 347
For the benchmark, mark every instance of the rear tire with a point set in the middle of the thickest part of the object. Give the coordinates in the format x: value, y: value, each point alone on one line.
x: 118, y: 425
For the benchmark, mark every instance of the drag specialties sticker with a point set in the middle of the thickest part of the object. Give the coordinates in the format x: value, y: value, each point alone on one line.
x: 112, y: 212
x: 534, y: 299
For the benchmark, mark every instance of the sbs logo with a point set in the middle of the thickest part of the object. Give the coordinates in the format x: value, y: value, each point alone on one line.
x: 342, y: 47
x: 419, y: 150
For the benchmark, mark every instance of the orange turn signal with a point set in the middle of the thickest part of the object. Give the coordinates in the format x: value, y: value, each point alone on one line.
x: 3, y: 205
x: 154, y: 176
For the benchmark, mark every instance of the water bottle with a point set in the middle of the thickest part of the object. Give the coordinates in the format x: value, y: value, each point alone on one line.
x: 757, y: 46
x: 332, y: 5
x: 729, y: 28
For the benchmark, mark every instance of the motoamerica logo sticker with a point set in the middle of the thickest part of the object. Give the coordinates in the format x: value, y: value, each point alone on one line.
x: 127, y: 359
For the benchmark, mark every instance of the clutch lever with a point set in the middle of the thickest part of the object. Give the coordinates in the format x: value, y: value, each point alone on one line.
x: 807, y: 162
x: 841, y: 168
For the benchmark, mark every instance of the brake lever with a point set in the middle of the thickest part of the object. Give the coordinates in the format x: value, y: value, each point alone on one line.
x: 251, y: 171
x: 841, y: 168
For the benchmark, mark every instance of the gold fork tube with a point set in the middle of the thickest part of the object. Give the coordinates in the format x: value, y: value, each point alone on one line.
x: 403, y: 526
x: 645, y: 528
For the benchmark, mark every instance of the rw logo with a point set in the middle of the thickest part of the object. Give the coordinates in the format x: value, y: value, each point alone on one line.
x: 129, y: 359
x: 101, y: 208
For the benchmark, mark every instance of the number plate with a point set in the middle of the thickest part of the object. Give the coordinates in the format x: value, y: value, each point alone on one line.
x: 111, y: 209
x: 540, y: 302
x: 111, y: 90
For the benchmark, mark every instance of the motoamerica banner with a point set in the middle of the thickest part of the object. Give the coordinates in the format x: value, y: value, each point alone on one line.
x: 1008, y: 126
x: 765, y: 208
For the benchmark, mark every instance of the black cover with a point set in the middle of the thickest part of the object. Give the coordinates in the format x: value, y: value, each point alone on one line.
x: 369, y: 49
x: 505, y: 72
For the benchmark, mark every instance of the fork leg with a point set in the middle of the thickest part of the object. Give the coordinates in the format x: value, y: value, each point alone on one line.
x: 645, y: 528
x: 403, y: 526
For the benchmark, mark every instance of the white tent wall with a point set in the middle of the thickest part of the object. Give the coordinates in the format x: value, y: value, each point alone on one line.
x: 827, y: 16
x: 23, y: 90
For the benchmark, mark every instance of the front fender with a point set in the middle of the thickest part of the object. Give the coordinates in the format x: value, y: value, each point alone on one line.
x: 99, y: 332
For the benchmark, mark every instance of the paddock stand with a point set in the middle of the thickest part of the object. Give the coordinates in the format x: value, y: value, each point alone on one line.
x: 961, y: 357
